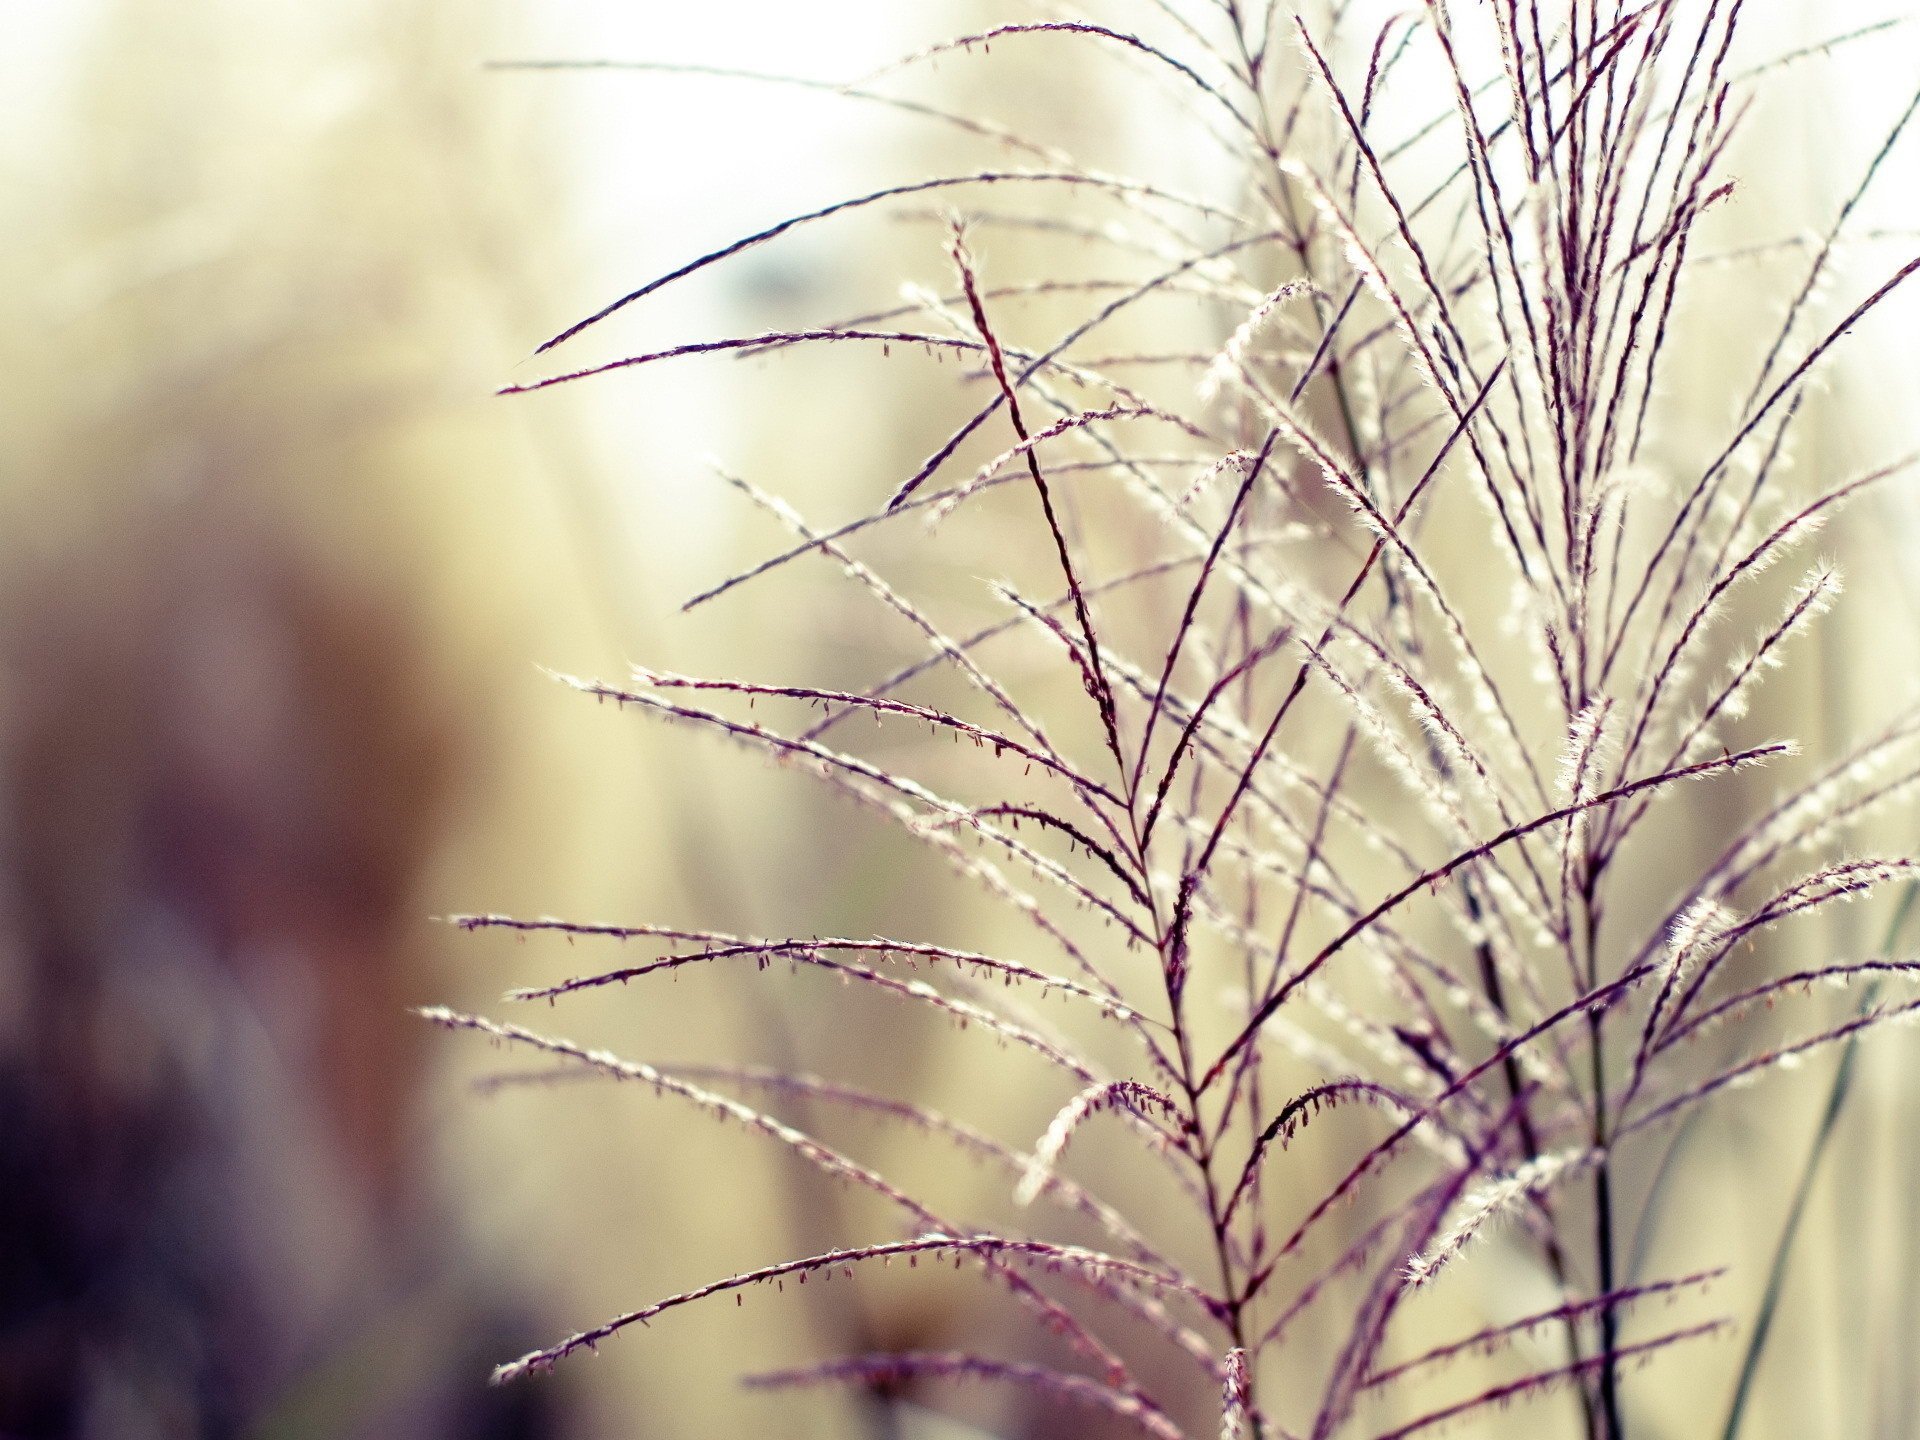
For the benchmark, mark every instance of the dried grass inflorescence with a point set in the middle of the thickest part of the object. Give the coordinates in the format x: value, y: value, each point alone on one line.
x: 1365, y: 633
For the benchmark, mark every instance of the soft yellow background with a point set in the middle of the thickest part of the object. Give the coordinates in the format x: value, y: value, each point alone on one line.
x: 277, y: 570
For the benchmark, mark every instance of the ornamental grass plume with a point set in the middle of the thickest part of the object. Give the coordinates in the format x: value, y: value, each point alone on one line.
x: 1356, y: 640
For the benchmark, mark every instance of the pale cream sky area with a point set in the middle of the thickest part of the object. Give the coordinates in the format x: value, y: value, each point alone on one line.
x: 657, y: 168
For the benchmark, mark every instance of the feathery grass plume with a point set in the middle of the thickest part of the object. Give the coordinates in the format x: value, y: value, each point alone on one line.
x: 1362, y: 538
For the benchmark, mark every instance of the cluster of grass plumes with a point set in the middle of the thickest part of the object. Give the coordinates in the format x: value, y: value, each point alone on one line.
x: 1368, y: 635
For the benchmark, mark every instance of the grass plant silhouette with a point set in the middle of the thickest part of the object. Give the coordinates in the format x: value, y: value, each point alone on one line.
x: 1415, y: 499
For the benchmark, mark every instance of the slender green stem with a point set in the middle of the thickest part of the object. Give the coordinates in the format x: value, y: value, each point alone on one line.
x: 1837, y: 1095
x: 1612, y: 1421
x: 1603, y: 1243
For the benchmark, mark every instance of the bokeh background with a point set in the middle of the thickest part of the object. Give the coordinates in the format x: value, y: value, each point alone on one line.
x: 278, y: 572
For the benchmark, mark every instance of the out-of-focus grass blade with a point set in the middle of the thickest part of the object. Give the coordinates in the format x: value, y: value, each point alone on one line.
x: 1829, y: 1122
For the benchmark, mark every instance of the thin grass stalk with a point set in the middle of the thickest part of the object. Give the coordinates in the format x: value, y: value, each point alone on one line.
x: 1838, y: 1093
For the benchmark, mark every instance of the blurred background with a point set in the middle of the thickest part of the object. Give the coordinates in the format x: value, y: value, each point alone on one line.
x: 277, y: 574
